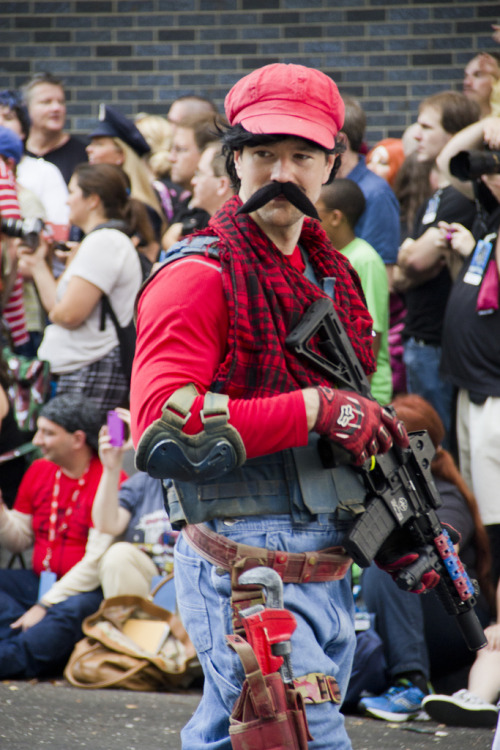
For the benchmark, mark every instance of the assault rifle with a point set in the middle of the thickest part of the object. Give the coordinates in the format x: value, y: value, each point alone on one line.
x: 400, y: 492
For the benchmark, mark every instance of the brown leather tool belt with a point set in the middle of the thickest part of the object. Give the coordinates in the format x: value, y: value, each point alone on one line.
x: 294, y: 567
x: 305, y: 567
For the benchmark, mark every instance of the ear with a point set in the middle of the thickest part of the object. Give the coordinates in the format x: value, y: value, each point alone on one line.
x: 237, y: 163
x: 224, y: 185
x: 335, y: 217
x: 330, y: 161
x: 79, y: 439
x: 93, y: 200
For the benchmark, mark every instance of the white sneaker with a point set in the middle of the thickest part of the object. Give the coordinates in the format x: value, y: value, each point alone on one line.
x: 462, y: 709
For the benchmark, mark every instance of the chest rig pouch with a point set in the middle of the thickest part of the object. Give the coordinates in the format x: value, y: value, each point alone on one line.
x: 207, y: 476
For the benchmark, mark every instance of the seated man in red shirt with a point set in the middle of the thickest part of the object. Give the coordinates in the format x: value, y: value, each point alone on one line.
x: 41, y: 610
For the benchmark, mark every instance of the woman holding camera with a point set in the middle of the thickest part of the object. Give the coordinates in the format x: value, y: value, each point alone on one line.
x: 81, y: 343
x: 471, y: 355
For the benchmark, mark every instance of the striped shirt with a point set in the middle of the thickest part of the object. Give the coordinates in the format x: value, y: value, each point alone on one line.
x: 13, y: 312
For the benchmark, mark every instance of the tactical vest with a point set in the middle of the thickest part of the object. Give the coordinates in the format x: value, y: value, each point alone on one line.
x: 292, y: 481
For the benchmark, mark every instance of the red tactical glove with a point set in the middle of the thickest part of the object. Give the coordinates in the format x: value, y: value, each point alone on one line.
x: 359, y: 425
x: 398, y: 552
x: 428, y: 580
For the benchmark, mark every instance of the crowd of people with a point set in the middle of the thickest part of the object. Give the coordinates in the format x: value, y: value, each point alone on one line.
x: 163, y: 235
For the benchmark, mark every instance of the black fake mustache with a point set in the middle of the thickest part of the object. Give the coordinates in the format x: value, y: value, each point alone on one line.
x: 291, y: 192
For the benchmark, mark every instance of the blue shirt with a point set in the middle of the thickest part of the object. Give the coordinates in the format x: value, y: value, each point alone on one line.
x: 149, y: 527
x: 379, y: 224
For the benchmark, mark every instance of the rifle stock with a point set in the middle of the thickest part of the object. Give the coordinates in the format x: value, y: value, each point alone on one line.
x: 401, y: 493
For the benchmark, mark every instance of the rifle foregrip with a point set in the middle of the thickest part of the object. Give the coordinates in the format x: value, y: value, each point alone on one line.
x: 410, y: 577
x: 369, y: 532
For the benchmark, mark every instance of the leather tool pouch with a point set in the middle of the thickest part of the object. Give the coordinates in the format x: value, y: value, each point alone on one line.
x: 268, y: 714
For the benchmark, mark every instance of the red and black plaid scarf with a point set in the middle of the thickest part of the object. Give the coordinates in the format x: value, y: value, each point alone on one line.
x: 267, y: 297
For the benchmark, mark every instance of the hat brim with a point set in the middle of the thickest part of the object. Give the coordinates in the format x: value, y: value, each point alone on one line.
x: 286, y: 124
x: 103, y: 130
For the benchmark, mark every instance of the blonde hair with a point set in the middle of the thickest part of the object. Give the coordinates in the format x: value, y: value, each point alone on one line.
x: 140, y: 183
x: 158, y: 132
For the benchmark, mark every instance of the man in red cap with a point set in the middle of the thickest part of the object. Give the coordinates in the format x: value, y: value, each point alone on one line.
x: 227, y: 412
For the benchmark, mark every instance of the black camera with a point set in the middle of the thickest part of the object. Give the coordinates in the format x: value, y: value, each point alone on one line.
x: 189, y: 224
x: 27, y: 229
x: 469, y: 165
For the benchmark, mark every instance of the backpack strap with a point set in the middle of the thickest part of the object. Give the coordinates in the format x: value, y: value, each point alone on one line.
x: 206, y: 246
x: 126, y: 336
x: 197, y: 245
x: 106, y: 309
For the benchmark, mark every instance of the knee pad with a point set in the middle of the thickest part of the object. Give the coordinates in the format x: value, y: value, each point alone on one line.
x: 165, y: 452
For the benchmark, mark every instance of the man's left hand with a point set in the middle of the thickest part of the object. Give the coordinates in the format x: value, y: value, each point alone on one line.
x: 398, y: 552
x: 395, y: 567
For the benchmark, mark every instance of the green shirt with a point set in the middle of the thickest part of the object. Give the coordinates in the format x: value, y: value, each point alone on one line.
x: 371, y: 270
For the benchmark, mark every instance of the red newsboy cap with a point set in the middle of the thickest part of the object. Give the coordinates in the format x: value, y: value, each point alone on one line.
x: 287, y: 99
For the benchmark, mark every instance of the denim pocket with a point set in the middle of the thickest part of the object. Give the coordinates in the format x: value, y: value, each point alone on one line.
x: 190, y: 601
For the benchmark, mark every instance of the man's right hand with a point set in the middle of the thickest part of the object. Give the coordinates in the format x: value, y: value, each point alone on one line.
x: 110, y: 456
x: 359, y: 425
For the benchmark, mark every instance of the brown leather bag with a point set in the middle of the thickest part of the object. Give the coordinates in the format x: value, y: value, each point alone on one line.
x: 153, y: 653
x: 268, y: 714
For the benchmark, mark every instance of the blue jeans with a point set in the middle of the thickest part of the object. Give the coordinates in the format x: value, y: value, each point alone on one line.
x: 422, y: 375
x: 324, y: 640
x: 399, y: 620
x: 45, y: 648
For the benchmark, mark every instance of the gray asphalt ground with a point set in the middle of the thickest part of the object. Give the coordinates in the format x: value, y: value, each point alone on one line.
x: 55, y: 715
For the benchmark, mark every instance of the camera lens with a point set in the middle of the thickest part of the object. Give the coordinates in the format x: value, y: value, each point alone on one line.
x: 21, y: 227
x: 469, y: 165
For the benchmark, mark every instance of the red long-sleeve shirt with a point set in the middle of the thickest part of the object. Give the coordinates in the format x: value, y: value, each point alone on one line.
x: 182, y: 331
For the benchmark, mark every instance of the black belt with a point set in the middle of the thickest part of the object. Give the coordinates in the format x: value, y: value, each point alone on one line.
x: 423, y: 342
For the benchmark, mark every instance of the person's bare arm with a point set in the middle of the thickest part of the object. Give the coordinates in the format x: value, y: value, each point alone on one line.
x: 311, y: 402
x: 34, y: 265
x: 172, y: 235
x: 76, y: 304
x: 424, y: 255
x: 16, y: 529
x: 108, y: 515
x: 389, y: 267
x: 401, y: 282
x: 10, y: 247
x: 470, y: 138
